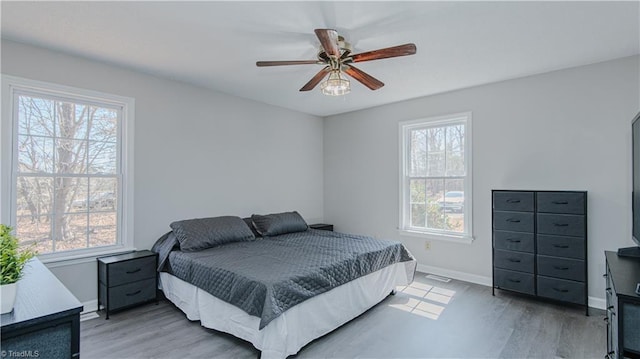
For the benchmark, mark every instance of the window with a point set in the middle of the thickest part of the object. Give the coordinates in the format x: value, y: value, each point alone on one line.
x: 68, y: 168
x: 436, y: 177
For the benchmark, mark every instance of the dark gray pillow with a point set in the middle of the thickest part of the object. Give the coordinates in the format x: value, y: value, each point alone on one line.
x: 279, y: 223
x: 202, y: 233
x: 249, y: 223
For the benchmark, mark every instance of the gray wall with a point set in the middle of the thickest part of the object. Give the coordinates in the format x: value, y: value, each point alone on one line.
x: 564, y: 130
x: 198, y: 153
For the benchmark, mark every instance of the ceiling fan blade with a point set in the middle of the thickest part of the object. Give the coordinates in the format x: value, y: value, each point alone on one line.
x: 316, y: 79
x: 395, y: 51
x: 329, y: 41
x: 366, y: 79
x: 281, y: 63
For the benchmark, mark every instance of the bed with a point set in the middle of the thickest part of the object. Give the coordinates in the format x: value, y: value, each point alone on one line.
x: 272, y: 281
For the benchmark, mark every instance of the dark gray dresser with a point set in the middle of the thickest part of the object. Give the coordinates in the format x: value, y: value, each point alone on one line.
x: 45, y: 321
x: 540, y: 244
x: 623, y: 306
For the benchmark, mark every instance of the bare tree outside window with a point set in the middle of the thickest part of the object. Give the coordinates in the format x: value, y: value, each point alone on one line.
x: 67, y: 173
x: 435, y: 170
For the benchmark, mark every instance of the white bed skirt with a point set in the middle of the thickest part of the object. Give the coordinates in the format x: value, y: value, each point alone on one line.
x: 289, y: 332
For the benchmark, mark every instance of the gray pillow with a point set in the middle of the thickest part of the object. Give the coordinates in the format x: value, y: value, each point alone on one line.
x: 279, y: 223
x: 249, y: 223
x: 202, y: 233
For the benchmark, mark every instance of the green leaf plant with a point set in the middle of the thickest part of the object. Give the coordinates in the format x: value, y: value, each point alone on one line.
x: 12, y: 258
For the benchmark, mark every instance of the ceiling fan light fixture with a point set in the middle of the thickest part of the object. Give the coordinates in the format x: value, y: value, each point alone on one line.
x: 335, y: 85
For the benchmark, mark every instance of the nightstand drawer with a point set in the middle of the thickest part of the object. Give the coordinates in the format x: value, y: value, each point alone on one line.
x: 516, y: 281
x: 513, y: 201
x: 564, y: 268
x: 513, y: 221
x: 513, y: 241
x: 561, y: 289
x: 561, y: 224
x: 132, y: 293
x: 561, y: 202
x: 519, y: 261
x: 131, y: 270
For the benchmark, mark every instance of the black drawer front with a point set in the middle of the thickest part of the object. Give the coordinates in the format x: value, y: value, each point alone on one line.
x: 132, y: 293
x: 132, y: 270
x: 565, y: 268
x: 561, y: 224
x: 513, y: 221
x: 561, y: 289
x: 513, y: 241
x: 561, y: 246
x: 513, y: 201
x: 631, y: 326
x: 518, y: 261
x: 516, y: 281
x: 561, y: 202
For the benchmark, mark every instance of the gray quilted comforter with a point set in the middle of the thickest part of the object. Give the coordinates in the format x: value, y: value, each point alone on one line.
x: 267, y: 276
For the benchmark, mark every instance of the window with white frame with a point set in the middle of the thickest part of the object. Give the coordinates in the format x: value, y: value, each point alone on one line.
x: 69, y: 168
x: 436, y: 176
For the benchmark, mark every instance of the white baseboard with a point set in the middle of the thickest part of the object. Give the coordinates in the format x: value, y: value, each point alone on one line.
x: 594, y: 302
x: 89, y: 306
x: 467, y: 277
x: 598, y: 303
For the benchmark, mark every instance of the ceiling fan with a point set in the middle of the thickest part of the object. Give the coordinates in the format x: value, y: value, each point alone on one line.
x: 336, y: 54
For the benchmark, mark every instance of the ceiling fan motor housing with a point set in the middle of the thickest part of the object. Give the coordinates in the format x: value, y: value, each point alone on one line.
x: 344, y: 46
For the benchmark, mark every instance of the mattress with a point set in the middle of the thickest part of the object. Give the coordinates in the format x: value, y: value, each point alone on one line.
x: 290, y: 331
x: 267, y: 277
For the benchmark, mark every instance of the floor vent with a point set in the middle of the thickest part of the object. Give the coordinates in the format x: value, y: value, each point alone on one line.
x: 438, y: 278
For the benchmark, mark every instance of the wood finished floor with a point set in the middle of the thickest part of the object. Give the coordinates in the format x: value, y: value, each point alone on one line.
x: 428, y: 319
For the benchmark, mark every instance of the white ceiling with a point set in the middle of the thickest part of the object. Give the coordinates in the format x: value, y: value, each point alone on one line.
x: 216, y: 44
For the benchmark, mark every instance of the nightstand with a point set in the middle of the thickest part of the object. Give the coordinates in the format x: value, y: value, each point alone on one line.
x: 322, y: 226
x: 127, y: 280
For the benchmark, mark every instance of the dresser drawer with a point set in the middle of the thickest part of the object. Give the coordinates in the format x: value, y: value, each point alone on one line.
x: 513, y: 201
x: 561, y: 202
x: 561, y: 224
x: 516, y: 281
x: 513, y: 221
x: 565, y: 268
x: 561, y: 289
x: 513, y: 241
x: 518, y: 261
x: 561, y: 246
x: 131, y: 270
x: 132, y: 293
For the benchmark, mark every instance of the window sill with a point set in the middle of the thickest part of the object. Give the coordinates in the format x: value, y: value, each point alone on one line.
x: 54, y: 260
x: 437, y: 236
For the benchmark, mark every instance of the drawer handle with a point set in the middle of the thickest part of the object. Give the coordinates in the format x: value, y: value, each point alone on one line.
x: 561, y: 246
x: 511, y: 200
x: 134, y: 293
x: 513, y: 240
x: 513, y: 280
x: 560, y: 202
x: 561, y: 290
x: 513, y: 220
x: 560, y: 268
x: 512, y: 260
x: 134, y: 271
x: 561, y: 224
